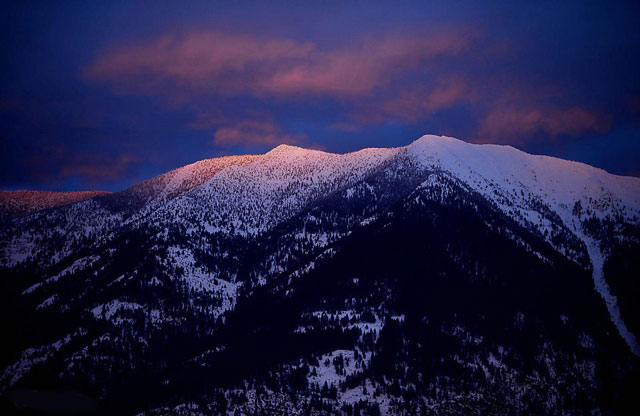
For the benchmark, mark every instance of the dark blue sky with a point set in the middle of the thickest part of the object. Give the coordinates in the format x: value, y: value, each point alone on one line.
x: 100, y: 95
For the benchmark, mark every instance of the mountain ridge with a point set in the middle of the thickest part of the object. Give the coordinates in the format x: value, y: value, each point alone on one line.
x: 24, y: 202
x: 289, y: 149
x: 230, y: 251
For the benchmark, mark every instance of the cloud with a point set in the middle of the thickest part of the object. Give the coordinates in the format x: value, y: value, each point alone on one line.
x: 252, y: 132
x: 399, y: 78
x: 216, y: 61
x: 517, y: 111
x: 409, y: 105
x: 633, y: 105
x: 11, y: 104
x: 95, y: 168
x: 230, y: 64
x: 505, y: 123
x: 252, y: 128
x: 59, y: 163
x: 359, y: 69
x: 349, y: 127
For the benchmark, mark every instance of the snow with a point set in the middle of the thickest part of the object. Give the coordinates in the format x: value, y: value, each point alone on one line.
x: 19, y: 203
x: 199, y: 280
x: 19, y: 250
x: 249, y: 195
x: 326, y: 370
x: 356, y: 394
x: 355, y: 320
x: 610, y: 300
x: 252, y: 198
x: 522, y: 185
x: 326, y: 254
x: 501, y: 172
x: 115, y: 312
x: 32, y: 357
x: 349, y: 314
x: 109, y: 310
x: 47, y: 302
x: 77, y: 265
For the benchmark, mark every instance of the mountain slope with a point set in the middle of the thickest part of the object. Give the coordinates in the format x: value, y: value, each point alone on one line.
x: 517, y: 182
x: 233, y: 281
x: 15, y: 204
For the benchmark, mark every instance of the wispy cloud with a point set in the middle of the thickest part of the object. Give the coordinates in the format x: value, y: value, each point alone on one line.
x: 509, y: 124
x: 252, y: 132
x: 97, y: 168
x: 58, y: 164
x: 402, y: 78
x: 248, y: 129
x: 518, y: 111
x: 409, y: 105
x: 227, y: 63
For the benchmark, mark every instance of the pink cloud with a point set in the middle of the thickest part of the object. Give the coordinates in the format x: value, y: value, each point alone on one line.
x: 97, y: 167
x: 633, y: 105
x: 58, y: 162
x: 10, y: 104
x: 359, y: 69
x: 216, y: 61
x: 390, y: 78
x: 225, y: 63
x: 252, y: 132
x: 516, y: 123
x: 509, y: 110
x: 350, y: 127
x: 518, y: 110
x: 252, y: 128
x: 410, y: 105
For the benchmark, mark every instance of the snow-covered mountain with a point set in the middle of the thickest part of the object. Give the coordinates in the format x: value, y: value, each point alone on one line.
x: 326, y: 261
x: 15, y: 204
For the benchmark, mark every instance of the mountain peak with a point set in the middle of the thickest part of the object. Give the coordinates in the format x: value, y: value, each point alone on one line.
x: 432, y: 138
x: 285, y: 148
x: 318, y: 244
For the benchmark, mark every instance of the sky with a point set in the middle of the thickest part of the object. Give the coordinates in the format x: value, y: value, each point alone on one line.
x: 105, y: 94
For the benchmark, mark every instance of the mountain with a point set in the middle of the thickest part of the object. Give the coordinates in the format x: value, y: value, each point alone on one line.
x: 437, y: 278
x: 15, y: 204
